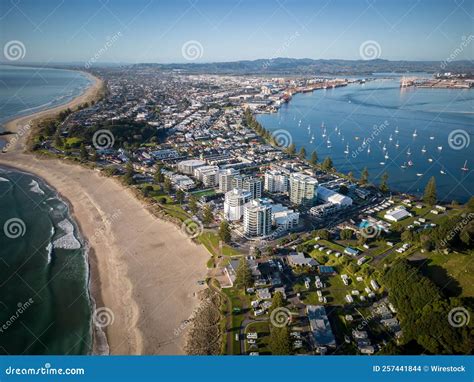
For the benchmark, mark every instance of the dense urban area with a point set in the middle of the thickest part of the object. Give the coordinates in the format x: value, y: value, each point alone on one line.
x: 303, y: 259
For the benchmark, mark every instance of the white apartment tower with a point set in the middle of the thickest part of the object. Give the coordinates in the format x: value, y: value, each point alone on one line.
x: 276, y: 181
x: 225, y: 179
x: 257, y: 218
x: 303, y: 189
x: 234, y: 204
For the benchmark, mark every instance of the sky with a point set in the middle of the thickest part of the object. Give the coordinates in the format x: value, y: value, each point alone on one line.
x: 134, y: 31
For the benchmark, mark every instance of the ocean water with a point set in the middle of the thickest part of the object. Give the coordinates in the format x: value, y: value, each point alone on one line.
x: 25, y: 90
x: 44, y: 301
x: 384, y: 115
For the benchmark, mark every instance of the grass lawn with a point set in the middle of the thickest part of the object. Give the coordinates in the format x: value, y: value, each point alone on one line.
x: 238, y: 300
x: 442, y: 269
x: 211, y: 241
x: 263, y: 330
x: 200, y: 193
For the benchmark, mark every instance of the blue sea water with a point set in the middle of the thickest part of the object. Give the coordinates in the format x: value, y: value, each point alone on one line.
x: 383, y: 115
x: 45, y: 306
x: 25, y: 90
x: 44, y: 298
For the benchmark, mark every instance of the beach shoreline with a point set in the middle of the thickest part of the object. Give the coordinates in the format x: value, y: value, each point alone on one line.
x: 129, y: 251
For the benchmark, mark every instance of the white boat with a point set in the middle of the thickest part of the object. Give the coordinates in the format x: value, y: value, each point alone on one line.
x: 404, y: 165
x: 396, y: 130
x: 368, y: 150
x: 410, y: 163
x: 442, y: 172
x: 384, y: 147
x: 382, y: 163
x: 415, y: 134
x: 397, y: 145
x: 440, y: 148
x: 390, y: 138
x: 408, y: 151
x: 386, y: 155
x: 324, y: 133
x: 419, y: 174
x: 423, y: 150
x: 464, y: 168
x: 431, y: 138
x: 380, y: 141
x: 346, y: 151
x: 430, y: 160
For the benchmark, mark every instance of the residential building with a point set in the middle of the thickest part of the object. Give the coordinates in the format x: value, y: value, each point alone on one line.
x: 284, y: 218
x: 330, y: 196
x: 188, y: 166
x: 303, y: 189
x: 276, y: 181
x: 234, y: 204
x: 208, y: 175
x: 254, y: 186
x: 257, y: 218
x: 225, y: 179
x: 323, y: 337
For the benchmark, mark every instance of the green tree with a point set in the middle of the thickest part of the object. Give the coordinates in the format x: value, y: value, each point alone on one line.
x: 364, y: 178
x: 323, y: 234
x: 158, y: 177
x: 277, y: 301
x: 280, y: 341
x: 193, y: 206
x: 384, y: 186
x: 128, y: 177
x: 350, y: 176
x: 343, y: 189
x: 180, y: 196
x: 207, y: 215
x: 302, y: 154
x: 291, y: 149
x: 314, y: 159
x: 243, y: 275
x: 327, y: 164
x: 346, y: 234
x: 430, y: 195
x: 167, y: 185
x: 224, y: 232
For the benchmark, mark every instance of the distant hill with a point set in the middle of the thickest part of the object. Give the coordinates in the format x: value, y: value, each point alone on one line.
x: 300, y: 66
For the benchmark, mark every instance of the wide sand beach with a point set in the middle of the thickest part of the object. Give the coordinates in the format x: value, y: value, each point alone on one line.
x: 143, y: 271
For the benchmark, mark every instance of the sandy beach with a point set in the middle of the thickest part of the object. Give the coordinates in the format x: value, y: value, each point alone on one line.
x: 144, y: 271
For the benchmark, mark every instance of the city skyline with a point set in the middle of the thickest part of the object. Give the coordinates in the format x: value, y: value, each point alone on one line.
x: 180, y: 32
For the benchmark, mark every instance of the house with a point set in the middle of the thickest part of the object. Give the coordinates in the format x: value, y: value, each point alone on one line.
x: 396, y: 214
x: 322, y: 334
x: 326, y: 270
x: 351, y: 251
x: 300, y: 260
x: 264, y: 294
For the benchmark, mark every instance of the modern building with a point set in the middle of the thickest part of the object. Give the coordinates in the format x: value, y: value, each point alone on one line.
x: 323, y: 337
x: 303, y: 189
x: 188, y: 166
x: 284, y: 218
x: 237, y: 182
x: 208, y: 175
x: 234, y: 204
x: 276, y: 181
x: 329, y: 196
x: 225, y: 179
x: 254, y: 186
x: 396, y: 214
x: 257, y: 218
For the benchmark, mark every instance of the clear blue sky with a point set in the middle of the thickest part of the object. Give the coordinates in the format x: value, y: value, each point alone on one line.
x: 155, y: 31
